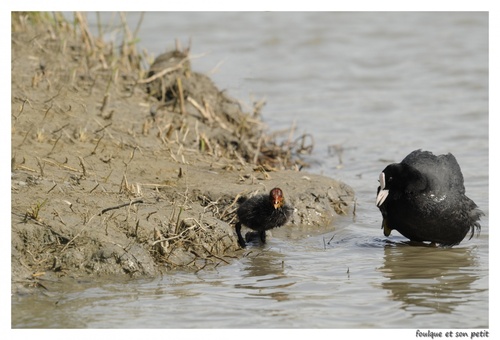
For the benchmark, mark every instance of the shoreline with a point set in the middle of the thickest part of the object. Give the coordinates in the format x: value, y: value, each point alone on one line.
x: 116, y: 170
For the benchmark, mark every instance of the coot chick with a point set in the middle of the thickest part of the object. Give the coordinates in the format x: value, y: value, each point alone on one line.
x: 261, y: 213
x: 423, y: 198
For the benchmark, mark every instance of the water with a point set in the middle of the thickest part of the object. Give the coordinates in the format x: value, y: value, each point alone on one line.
x: 376, y: 86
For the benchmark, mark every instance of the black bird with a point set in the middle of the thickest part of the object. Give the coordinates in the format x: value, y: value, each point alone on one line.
x: 261, y: 213
x: 423, y: 198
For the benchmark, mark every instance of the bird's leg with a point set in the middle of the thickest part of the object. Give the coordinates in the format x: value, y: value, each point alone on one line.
x: 241, y: 241
x: 262, y: 235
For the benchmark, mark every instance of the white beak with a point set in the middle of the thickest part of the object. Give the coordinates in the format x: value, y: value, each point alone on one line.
x: 382, y: 195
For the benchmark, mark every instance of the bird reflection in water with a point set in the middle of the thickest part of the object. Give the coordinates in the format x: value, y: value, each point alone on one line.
x: 264, y: 276
x: 429, y: 279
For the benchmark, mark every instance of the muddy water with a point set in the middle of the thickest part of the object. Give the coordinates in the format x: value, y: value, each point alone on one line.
x: 370, y: 88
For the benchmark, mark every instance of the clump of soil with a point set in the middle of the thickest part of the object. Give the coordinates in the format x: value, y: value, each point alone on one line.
x: 120, y: 170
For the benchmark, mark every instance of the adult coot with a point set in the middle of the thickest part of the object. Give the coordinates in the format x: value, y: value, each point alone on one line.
x: 261, y: 213
x: 423, y: 198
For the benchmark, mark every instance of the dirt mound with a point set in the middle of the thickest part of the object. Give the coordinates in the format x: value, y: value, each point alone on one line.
x: 121, y: 170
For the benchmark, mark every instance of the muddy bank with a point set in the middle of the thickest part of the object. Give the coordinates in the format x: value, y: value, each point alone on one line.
x: 124, y: 169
